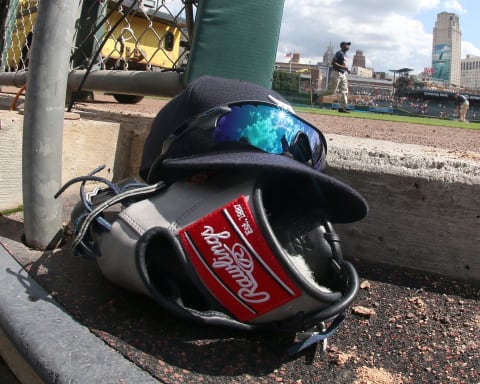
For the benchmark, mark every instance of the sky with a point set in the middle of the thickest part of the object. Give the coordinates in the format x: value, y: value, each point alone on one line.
x: 391, y: 34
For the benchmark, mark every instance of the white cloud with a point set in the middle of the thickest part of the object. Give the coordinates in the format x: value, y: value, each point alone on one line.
x: 387, y: 33
x: 454, y: 6
x: 469, y: 49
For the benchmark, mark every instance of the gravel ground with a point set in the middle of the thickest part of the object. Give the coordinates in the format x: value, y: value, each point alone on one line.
x: 441, y: 137
x: 404, y: 327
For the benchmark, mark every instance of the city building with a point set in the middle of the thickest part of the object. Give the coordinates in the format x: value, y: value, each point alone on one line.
x: 310, y: 75
x: 359, y: 59
x: 446, y: 50
x: 362, y: 82
x: 295, y: 57
x: 362, y: 71
x: 328, y: 55
x: 471, y: 73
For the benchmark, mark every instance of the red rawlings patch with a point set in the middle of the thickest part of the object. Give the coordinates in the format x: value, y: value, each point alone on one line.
x: 234, y: 261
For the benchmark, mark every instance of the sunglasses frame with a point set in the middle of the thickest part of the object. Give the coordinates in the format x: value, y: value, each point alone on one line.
x: 208, y: 120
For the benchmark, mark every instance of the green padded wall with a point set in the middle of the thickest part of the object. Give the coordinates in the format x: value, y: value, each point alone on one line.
x: 235, y: 39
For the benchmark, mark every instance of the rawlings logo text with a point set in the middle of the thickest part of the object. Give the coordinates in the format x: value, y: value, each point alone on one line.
x: 237, y: 262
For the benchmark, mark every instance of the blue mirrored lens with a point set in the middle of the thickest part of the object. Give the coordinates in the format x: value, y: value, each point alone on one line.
x: 267, y: 128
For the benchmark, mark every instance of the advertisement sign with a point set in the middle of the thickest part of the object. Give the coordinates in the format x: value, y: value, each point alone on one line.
x: 442, y: 62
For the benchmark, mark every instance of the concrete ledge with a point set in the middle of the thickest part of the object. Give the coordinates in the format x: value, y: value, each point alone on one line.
x: 86, y: 144
x: 42, y: 343
x: 424, y: 205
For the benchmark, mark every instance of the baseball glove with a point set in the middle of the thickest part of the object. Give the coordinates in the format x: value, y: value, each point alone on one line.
x: 246, y: 251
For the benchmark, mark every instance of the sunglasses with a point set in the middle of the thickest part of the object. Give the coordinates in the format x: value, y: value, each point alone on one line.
x: 262, y: 125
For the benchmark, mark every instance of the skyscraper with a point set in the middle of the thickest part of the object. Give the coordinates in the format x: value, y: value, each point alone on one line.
x: 359, y: 59
x: 328, y: 55
x: 446, y: 49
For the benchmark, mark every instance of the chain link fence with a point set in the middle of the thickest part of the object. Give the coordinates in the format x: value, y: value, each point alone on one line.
x: 133, y: 35
x: 17, y: 25
x: 120, y: 35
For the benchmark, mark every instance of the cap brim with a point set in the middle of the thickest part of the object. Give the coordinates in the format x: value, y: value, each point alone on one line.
x: 343, y: 203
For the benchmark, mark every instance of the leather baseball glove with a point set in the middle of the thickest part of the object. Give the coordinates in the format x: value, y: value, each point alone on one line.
x: 244, y: 250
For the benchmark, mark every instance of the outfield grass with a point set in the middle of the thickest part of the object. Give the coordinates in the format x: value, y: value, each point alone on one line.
x: 383, y: 116
x: 388, y: 117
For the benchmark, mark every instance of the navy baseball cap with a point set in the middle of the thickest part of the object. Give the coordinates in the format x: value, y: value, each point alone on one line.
x: 186, y: 158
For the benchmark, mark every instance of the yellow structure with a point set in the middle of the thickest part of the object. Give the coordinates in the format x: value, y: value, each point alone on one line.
x: 145, y: 39
x: 151, y: 42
